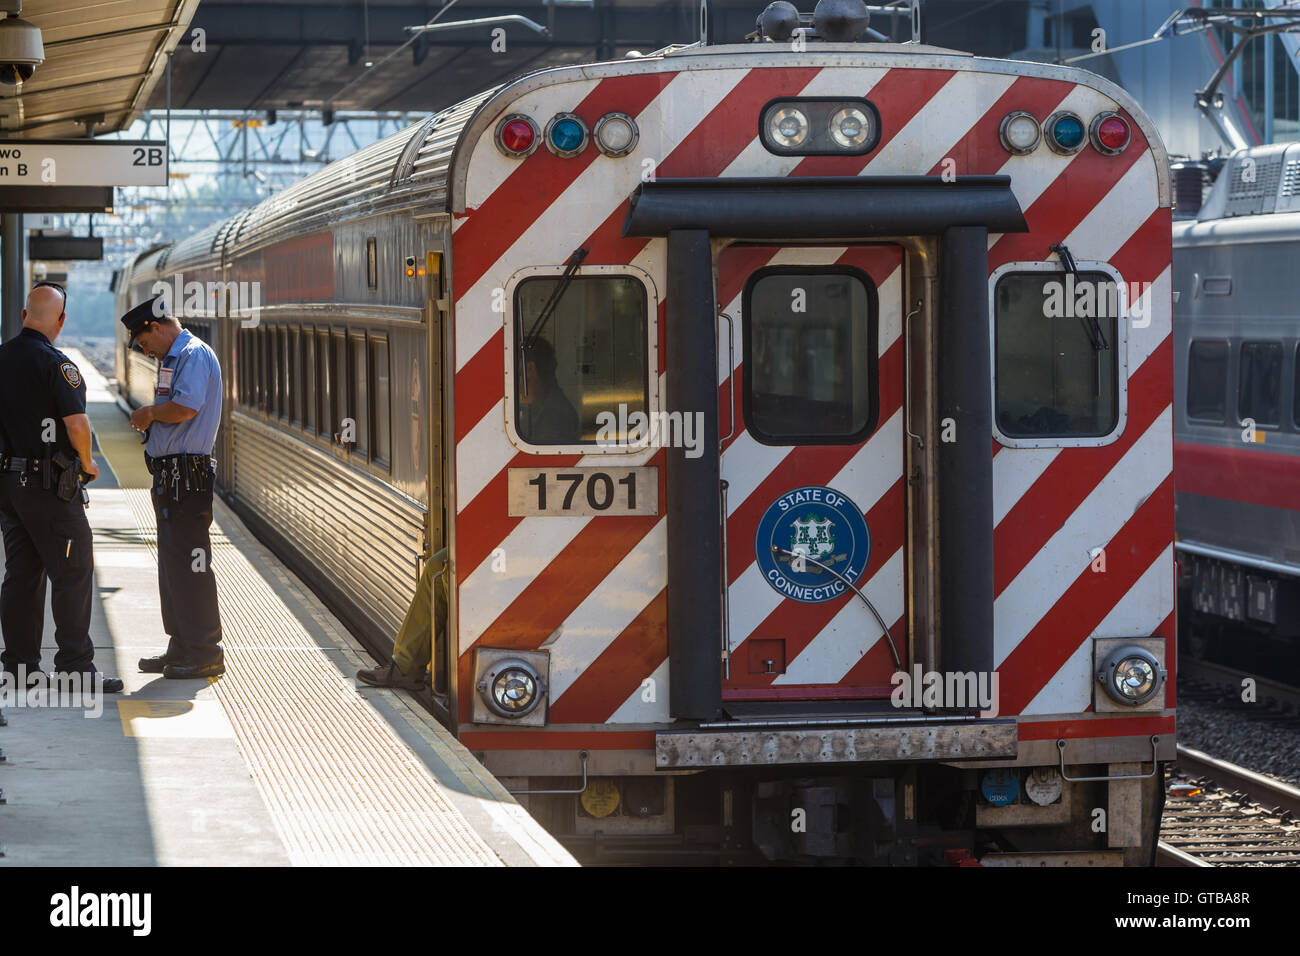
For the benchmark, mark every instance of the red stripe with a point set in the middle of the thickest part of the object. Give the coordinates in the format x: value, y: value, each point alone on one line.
x: 533, y: 184
x: 1253, y: 474
x: 899, y: 95
x: 878, y: 659
x: 1096, y: 727
x: 1089, y: 599
x: 1075, y: 473
x: 618, y: 671
x: 480, y: 385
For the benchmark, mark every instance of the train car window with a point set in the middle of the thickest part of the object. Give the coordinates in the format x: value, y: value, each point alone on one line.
x: 285, y: 359
x: 263, y: 371
x: 380, y: 399
x: 358, y: 396
x: 1207, y: 382
x: 588, y: 357
x: 1056, y: 354
x: 241, y: 366
x: 338, y: 381
x: 1295, y: 389
x: 295, y: 376
x: 1259, y: 388
x: 372, y: 264
x: 810, y: 374
x: 309, y: 380
x: 323, y: 383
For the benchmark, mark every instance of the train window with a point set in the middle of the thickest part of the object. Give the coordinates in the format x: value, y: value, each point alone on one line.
x: 1259, y: 389
x: 358, y: 396
x: 263, y: 371
x: 295, y: 376
x: 810, y: 355
x: 338, y: 381
x: 284, y: 357
x: 372, y: 265
x: 586, y: 356
x: 323, y: 383
x: 309, y: 379
x: 1056, y: 354
x: 380, y: 400
x: 1207, y: 382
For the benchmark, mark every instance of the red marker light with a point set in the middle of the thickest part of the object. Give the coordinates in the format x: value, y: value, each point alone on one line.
x: 1110, y: 133
x: 517, y: 136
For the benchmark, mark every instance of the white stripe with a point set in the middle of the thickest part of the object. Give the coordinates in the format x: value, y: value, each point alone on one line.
x: 750, y: 599
x: 851, y: 632
x: 606, y: 612
x: 637, y: 710
x: 1138, y: 614
x: 1119, y: 214
x: 940, y: 124
x: 1068, y: 553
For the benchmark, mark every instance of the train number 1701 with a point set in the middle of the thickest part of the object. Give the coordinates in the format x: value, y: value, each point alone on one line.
x: 583, y: 491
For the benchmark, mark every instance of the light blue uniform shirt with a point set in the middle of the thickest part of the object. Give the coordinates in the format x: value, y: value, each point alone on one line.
x: 196, y: 384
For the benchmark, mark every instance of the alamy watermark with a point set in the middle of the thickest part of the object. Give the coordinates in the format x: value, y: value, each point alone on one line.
x: 39, y: 690
x: 651, y: 430
x: 1073, y: 298
x: 196, y: 300
x: 960, y: 690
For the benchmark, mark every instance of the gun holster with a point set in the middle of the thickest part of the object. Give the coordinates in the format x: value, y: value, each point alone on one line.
x: 68, y: 485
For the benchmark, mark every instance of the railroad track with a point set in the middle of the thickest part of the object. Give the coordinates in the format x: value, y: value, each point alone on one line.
x: 1284, y: 696
x: 1228, y: 816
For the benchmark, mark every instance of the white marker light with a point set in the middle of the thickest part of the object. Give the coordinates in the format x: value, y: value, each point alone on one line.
x: 1020, y: 133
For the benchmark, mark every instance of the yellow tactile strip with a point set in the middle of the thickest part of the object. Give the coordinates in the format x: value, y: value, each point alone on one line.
x: 342, y: 787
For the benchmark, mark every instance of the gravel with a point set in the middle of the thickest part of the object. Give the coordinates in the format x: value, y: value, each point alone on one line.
x: 1266, y: 743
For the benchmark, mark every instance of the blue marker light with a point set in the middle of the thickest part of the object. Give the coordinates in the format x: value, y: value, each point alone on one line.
x: 1068, y: 133
x: 567, y: 135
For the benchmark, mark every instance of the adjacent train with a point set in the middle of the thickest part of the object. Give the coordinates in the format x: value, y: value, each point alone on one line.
x: 1237, y: 433
x: 797, y: 414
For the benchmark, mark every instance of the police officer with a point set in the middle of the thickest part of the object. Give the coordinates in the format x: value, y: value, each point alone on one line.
x: 44, y: 431
x: 182, y: 428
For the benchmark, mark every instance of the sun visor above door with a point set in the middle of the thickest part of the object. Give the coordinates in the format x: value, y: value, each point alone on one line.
x: 830, y: 207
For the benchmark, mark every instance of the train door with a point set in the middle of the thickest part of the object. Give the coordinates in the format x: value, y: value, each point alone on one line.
x: 811, y: 427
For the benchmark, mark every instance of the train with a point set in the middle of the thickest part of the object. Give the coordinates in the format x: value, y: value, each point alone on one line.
x: 1237, y: 432
x: 796, y: 413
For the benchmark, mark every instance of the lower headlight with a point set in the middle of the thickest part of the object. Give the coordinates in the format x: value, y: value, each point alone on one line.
x: 1131, y: 675
x: 788, y: 126
x: 512, y: 688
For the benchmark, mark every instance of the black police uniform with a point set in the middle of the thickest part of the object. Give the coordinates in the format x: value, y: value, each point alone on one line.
x: 43, y: 535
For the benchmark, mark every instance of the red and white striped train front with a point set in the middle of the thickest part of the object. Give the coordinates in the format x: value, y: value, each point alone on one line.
x: 681, y: 613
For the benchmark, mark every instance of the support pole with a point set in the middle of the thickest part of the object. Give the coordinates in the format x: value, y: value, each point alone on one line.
x: 966, y: 464
x: 694, y: 510
x: 13, y: 284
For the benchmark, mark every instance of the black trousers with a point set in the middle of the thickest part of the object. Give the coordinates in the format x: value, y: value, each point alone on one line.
x: 44, y: 538
x: 186, y: 584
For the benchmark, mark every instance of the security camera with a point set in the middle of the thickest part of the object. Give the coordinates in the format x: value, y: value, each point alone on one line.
x: 21, y: 50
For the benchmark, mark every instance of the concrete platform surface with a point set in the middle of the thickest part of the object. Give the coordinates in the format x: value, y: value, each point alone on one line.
x: 286, y: 760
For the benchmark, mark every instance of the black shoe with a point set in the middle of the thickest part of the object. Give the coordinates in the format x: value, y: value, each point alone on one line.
x: 193, y: 671
x: 97, y: 680
x: 389, y: 675
x: 154, y: 665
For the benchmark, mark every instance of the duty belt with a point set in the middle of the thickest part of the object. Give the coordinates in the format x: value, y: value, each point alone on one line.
x: 179, y: 473
x: 20, y: 465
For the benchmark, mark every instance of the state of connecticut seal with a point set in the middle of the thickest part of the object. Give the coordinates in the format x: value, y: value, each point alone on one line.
x: 810, y: 538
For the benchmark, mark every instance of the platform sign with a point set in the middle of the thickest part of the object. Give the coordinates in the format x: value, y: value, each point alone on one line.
x: 34, y: 162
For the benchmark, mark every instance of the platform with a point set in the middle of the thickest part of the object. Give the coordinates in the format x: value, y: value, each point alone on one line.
x: 286, y: 760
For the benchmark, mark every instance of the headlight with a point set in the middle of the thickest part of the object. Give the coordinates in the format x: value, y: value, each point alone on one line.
x: 850, y: 127
x: 1131, y: 675
x: 512, y: 688
x: 788, y: 127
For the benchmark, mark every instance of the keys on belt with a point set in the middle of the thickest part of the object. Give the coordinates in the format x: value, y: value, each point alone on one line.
x: 180, y: 472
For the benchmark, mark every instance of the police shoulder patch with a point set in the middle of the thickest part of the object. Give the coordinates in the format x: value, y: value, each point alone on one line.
x: 71, y: 374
